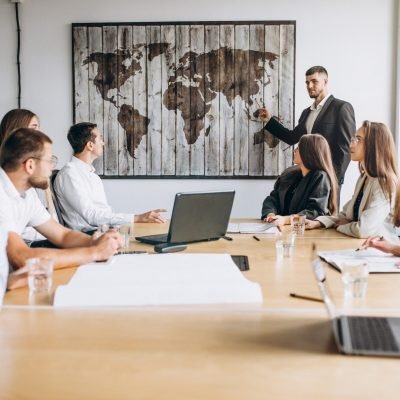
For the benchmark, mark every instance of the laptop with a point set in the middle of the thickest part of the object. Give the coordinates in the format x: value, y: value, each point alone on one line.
x: 359, y: 335
x: 196, y: 217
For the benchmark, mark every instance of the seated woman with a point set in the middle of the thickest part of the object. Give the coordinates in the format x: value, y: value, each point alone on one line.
x: 309, y: 188
x: 367, y: 212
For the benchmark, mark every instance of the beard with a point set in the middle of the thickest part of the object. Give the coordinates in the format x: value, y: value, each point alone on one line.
x: 39, y: 182
x: 314, y: 94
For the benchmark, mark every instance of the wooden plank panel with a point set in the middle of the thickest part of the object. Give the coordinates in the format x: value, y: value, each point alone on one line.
x: 227, y: 88
x: 194, y: 119
x: 110, y: 100
x: 183, y: 100
x: 168, y: 116
x: 211, y: 82
x: 140, y: 127
x: 81, y: 76
x: 95, y: 44
x: 125, y: 84
x: 241, y: 166
x: 286, y: 88
x: 153, y: 100
x: 256, y: 80
x: 272, y: 149
x: 197, y: 100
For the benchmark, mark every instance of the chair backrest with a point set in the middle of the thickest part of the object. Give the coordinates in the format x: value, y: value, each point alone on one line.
x: 55, y: 198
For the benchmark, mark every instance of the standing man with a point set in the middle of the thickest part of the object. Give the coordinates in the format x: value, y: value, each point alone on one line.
x: 80, y: 190
x: 26, y: 162
x: 332, y: 118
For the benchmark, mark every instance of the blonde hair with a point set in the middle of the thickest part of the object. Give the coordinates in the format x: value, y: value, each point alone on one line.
x: 380, y: 162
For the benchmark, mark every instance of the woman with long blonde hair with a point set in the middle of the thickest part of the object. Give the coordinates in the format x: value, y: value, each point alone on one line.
x: 377, y: 189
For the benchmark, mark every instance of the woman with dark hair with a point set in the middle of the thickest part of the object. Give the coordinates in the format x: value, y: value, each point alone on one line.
x: 17, y: 118
x: 377, y: 188
x: 309, y: 188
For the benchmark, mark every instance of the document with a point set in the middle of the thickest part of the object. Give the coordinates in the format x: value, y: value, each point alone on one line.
x: 376, y: 260
x: 163, y: 279
x: 253, y: 227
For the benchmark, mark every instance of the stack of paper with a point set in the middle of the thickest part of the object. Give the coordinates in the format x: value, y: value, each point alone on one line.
x: 158, y: 280
x: 376, y: 260
x: 253, y: 227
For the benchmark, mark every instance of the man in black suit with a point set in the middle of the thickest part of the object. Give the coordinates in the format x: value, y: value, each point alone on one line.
x: 331, y: 117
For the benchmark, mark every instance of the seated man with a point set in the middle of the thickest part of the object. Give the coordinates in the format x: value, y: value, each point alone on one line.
x: 26, y: 163
x: 80, y: 190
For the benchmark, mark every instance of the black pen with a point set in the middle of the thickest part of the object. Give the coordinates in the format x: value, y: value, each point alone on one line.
x: 298, y: 296
x: 256, y: 238
x: 227, y: 238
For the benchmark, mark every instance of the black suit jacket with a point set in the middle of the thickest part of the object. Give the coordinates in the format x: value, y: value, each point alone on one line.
x: 336, y: 122
x: 311, y: 196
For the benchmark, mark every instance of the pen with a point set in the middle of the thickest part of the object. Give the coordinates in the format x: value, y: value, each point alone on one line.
x: 227, y: 238
x: 298, y: 296
x: 256, y: 238
x: 363, y: 247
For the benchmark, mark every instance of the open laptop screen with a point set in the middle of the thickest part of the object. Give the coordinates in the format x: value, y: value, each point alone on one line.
x: 200, y: 216
x: 196, y: 217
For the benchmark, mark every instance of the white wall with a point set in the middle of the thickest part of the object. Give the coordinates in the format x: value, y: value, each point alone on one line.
x: 354, y: 39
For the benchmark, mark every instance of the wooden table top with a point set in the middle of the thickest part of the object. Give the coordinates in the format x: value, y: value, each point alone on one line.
x: 282, y: 349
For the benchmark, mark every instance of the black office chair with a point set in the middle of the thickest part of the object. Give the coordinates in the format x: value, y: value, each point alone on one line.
x: 55, y: 198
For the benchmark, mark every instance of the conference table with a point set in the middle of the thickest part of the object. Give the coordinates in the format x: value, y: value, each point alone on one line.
x: 280, y: 349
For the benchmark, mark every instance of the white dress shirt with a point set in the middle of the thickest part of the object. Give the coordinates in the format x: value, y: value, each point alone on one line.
x: 82, y: 198
x: 315, y: 110
x: 19, y: 210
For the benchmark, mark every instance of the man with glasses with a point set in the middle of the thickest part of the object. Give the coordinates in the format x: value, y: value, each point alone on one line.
x: 80, y: 190
x: 26, y: 162
x: 332, y: 118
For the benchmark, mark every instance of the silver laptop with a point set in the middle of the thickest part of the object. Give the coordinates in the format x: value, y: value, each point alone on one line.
x: 196, y: 217
x: 359, y: 335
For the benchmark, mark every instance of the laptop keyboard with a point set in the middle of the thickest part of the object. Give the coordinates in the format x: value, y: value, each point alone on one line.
x: 371, y: 333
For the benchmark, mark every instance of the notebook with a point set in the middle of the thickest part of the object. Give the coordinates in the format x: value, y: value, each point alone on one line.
x: 377, y: 261
x: 359, y: 335
x: 253, y: 227
x: 196, y: 217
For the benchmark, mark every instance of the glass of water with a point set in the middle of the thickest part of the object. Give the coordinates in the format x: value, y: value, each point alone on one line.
x: 298, y: 223
x: 355, y: 278
x: 125, y: 232
x: 40, y: 274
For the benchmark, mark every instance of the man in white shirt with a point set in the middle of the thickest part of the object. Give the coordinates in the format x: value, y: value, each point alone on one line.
x: 80, y: 190
x: 26, y: 163
x: 332, y: 118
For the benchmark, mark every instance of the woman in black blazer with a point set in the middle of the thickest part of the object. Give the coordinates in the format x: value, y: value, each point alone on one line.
x: 309, y: 187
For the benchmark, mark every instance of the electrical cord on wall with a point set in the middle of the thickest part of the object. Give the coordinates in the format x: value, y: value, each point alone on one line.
x: 18, y: 54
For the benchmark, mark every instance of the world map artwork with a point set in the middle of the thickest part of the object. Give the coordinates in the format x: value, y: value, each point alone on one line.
x: 181, y: 100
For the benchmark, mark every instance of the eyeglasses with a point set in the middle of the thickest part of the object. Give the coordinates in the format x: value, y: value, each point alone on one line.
x: 53, y: 161
x: 356, y: 139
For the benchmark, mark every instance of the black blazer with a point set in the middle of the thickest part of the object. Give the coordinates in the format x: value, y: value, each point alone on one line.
x: 336, y: 122
x: 311, y: 196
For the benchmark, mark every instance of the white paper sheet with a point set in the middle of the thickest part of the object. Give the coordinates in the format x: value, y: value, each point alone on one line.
x: 163, y: 279
x: 377, y: 260
x: 253, y: 227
